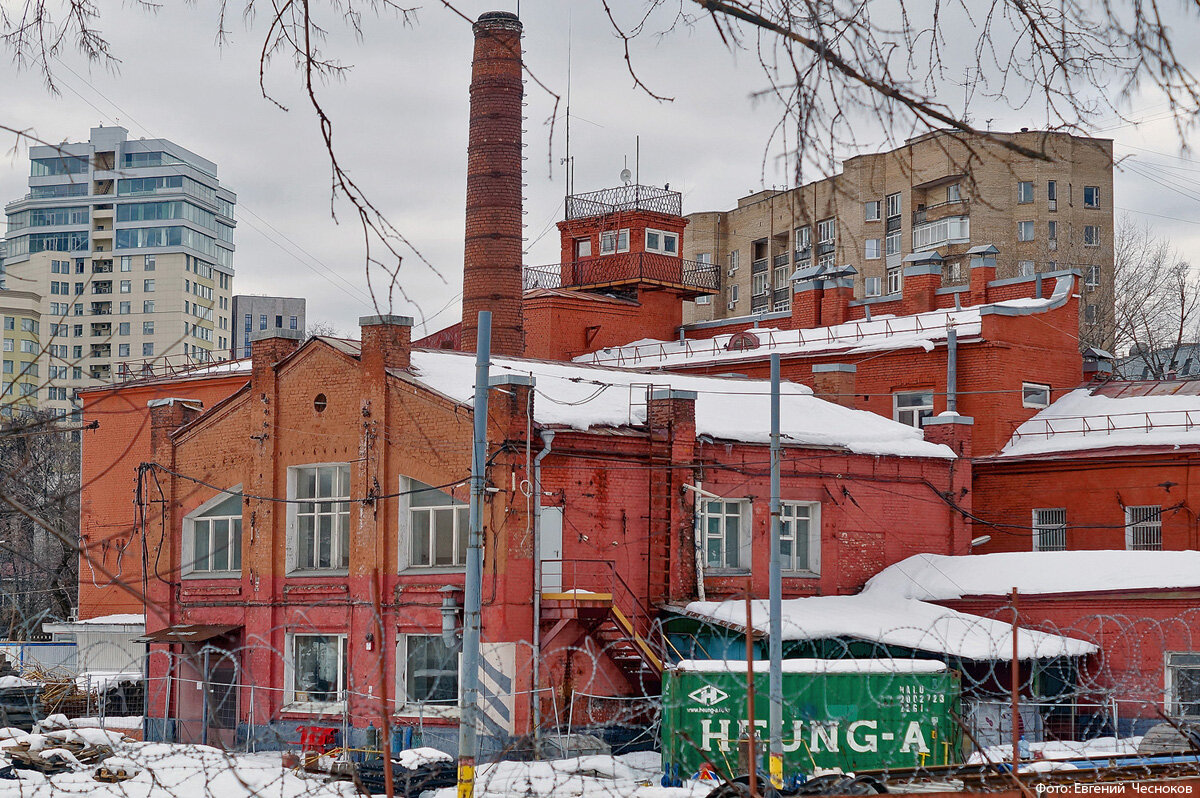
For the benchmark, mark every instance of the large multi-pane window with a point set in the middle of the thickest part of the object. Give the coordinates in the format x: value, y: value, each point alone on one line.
x: 1050, y: 529
x: 1143, y: 528
x: 800, y: 537
x: 318, y: 669
x: 430, y: 669
x: 60, y: 165
x: 322, y: 517
x: 721, y: 524
x: 437, y: 524
x: 215, y: 535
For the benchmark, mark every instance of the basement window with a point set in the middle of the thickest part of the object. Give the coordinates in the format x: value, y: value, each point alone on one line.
x: 427, y: 674
x: 1183, y: 683
x: 316, y: 672
x: 1035, y: 395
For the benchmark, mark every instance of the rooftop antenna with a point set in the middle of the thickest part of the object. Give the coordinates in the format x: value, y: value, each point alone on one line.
x: 567, y: 161
x: 626, y: 175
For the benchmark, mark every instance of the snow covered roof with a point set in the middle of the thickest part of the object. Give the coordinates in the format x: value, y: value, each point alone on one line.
x: 881, y: 333
x: 888, y: 619
x: 815, y: 666
x: 120, y: 619
x: 581, y: 397
x: 1113, y: 415
x: 937, y: 577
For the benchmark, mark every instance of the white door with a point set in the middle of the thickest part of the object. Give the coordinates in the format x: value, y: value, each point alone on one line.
x: 551, y: 549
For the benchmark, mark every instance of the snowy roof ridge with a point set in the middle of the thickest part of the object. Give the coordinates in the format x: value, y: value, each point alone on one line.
x: 889, y: 619
x: 941, y: 577
x: 584, y: 396
x: 1086, y: 418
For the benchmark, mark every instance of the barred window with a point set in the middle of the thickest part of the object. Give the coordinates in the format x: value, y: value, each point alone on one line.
x: 1050, y: 529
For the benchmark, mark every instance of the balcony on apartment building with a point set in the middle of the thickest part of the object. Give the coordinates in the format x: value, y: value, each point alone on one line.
x: 940, y: 232
x: 627, y: 269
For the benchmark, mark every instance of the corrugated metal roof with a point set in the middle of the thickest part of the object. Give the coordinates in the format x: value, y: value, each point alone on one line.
x: 1129, y: 388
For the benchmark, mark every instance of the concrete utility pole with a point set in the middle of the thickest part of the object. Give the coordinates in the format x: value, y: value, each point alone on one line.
x: 468, y: 697
x: 775, y: 591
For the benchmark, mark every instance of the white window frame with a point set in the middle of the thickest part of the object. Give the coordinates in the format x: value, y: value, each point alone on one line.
x: 188, y: 547
x: 1096, y: 196
x: 895, y: 204
x: 892, y: 242
x: 293, y: 522
x: 812, y: 540
x: 803, y: 238
x: 872, y: 286
x: 733, y: 293
x: 872, y: 248
x: 1172, y: 705
x: 782, y: 276
x: 954, y: 192
x: 872, y: 211
x: 1092, y: 232
x: 578, y: 246
x: 404, y: 701
x: 1091, y: 276
x: 667, y: 242
x: 900, y: 414
x: 612, y: 241
x: 704, y: 299
x: 895, y: 280
x: 760, y: 284
x: 291, y: 703
x: 827, y: 231
x: 730, y: 508
x: 734, y: 260
x: 1024, y: 192
x: 1023, y: 227
x: 1143, y: 520
x: 1030, y: 392
x: 405, y: 547
x: 1040, y: 525
x: 1026, y: 268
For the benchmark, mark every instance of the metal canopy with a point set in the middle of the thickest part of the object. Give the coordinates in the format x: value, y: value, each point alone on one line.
x: 186, y: 633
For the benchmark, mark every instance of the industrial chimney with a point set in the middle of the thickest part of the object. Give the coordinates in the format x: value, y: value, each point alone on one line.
x: 492, y: 277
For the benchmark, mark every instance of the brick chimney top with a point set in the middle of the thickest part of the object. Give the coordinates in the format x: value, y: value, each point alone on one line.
x: 492, y: 20
x: 386, y: 341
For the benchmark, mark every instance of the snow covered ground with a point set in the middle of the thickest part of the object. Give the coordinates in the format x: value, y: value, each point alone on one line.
x: 627, y: 776
x: 1061, y: 749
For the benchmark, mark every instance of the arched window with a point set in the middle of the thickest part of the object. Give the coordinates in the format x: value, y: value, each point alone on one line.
x: 213, y: 537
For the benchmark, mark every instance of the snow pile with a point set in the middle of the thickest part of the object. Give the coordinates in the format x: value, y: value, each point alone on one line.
x: 1083, y: 419
x: 582, y: 397
x: 412, y: 758
x: 940, y: 577
x: 15, y: 681
x: 124, y: 722
x: 181, y: 771
x: 629, y: 776
x: 1061, y: 749
x: 891, y: 620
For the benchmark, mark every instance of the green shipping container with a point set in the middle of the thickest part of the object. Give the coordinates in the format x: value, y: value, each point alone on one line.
x: 851, y: 714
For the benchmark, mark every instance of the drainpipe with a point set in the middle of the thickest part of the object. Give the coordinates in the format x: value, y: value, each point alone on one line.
x: 952, y: 370
x: 536, y: 712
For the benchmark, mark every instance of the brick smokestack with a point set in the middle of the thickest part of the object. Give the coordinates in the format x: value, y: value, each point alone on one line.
x: 492, y: 262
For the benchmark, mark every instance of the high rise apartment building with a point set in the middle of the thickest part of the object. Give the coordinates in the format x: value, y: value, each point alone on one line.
x: 129, y: 246
x: 938, y: 193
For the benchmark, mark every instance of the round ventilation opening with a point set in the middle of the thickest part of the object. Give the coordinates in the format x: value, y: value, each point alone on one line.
x: 320, y: 403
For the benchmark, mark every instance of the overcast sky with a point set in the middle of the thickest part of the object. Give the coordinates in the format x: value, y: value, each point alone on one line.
x: 400, y: 127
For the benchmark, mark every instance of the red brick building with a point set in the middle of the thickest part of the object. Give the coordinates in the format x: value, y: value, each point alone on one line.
x: 339, y: 551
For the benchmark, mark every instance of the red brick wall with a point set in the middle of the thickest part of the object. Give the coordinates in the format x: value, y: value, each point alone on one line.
x: 561, y: 327
x: 1093, y: 488
x: 111, y: 455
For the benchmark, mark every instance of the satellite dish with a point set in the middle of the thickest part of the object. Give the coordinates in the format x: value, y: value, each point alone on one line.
x: 626, y: 176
